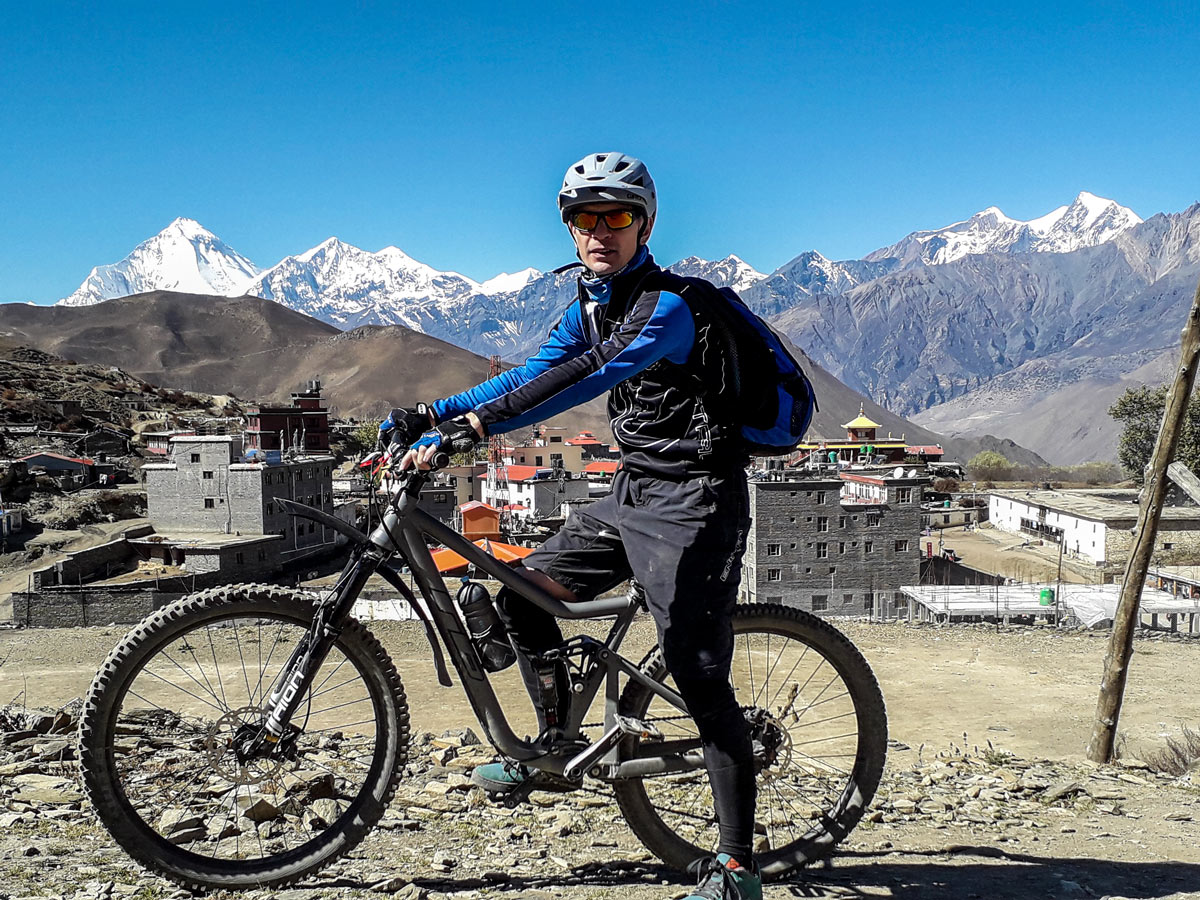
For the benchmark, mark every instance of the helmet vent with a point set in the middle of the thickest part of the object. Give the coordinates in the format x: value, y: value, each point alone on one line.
x: 621, y: 166
x: 601, y: 157
x: 637, y: 182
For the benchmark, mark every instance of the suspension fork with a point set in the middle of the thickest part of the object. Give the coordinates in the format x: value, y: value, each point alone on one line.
x: 300, y: 669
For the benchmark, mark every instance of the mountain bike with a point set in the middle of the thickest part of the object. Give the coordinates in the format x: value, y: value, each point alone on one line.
x: 248, y: 735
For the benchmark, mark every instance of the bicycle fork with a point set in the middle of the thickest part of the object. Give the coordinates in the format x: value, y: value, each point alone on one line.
x: 298, y: 673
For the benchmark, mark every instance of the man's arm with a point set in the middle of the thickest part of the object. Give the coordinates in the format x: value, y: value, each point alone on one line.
x: 565, y: 341
x: 659, y: 326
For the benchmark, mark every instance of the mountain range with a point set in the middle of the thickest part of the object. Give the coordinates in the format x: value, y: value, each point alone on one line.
x: 976, y: 327
x: 260, y: 350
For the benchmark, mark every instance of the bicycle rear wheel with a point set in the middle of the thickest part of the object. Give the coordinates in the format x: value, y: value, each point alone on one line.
x: 819, y: 728
x: 159, y: 732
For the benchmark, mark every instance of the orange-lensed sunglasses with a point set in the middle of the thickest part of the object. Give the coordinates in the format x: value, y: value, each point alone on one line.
x: 615, y: 219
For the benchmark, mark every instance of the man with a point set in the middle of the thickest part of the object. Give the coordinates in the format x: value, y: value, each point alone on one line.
x: 677, y: 516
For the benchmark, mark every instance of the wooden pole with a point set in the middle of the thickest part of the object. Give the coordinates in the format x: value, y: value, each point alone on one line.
x: 1120, y: 645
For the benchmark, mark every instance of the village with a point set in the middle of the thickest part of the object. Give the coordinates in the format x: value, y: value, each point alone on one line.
x: 856, y: 524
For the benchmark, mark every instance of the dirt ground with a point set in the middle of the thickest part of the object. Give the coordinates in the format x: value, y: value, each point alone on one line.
x: 950, y: 690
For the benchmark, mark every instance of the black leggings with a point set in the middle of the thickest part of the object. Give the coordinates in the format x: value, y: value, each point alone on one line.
x: 724, y: 735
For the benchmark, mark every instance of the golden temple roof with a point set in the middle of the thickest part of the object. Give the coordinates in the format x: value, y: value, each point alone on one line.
x: 862, y: 421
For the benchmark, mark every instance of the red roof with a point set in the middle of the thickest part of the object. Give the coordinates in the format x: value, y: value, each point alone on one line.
x: 608, y: 466
x: 74, y: 459
x: 476, y: 504
x: 523, y: 473
x: 926, y: 449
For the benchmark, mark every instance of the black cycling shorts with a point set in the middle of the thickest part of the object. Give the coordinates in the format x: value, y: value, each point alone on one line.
x: 682, y: 540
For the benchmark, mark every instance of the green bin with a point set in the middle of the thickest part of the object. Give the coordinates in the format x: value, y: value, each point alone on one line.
x: 1047, y: 597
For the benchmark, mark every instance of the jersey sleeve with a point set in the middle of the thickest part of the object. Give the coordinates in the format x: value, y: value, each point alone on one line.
x: 565, y: 341
x: 659, y: 326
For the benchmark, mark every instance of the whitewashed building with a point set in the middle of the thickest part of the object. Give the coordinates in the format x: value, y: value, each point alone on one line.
x: 1093, y: 524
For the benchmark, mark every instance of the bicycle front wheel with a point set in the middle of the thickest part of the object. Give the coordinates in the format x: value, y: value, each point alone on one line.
x: 819, y: 730
x: 160, y: 731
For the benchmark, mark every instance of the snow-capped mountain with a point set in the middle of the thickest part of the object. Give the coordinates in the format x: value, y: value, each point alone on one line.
x: 728, y: 272
x: 1087, y: 222
x: 345, y: 286
x: 185, y: 256
x: 504, y: 283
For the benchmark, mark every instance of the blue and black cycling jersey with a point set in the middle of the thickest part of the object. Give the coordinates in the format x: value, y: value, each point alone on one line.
x: 653, y: 353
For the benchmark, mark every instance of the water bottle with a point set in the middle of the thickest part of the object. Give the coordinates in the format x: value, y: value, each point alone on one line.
x: 487, y: 632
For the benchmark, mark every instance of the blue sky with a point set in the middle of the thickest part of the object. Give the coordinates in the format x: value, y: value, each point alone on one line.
x: 771, y: 128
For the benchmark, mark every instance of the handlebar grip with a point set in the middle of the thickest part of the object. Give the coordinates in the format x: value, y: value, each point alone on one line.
x: 440, y: 460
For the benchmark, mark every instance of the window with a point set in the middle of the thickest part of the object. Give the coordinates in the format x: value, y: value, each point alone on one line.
x: 833, y: 570
x: 904, y: 495
x: 820, y: 498
x: 822, y: 523
x: 195, y: 457
x: 872, y: 520
x: 774, y: 549
x: 537, y: 460
x: 299, y: 474
x: 946, y: 519
x: 901, y: 546
x: 209, y: 503
x: 1167, y: 545
x: 847, y: 599
x: 206, y: 475
x: 312, y: 526
x: 841, y: 546
x: 820, y: 602
x: 775, y: 598
x: 239, y: 558
x: 556, y: 460
x: 774, y: 575
x: 869, y: 600
x: 822, y: 551
x: 841, y: 521
x: 868, y: 546
x: 327, y: 470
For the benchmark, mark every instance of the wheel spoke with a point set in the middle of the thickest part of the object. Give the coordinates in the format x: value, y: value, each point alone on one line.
x: 802, y: 690
x: 190, y: 762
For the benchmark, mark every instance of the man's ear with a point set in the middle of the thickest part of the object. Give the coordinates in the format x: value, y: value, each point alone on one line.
x: 647, y: 228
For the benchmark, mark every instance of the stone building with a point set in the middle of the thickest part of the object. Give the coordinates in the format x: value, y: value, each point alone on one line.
x: 835, y: 544
x: 203, y: 488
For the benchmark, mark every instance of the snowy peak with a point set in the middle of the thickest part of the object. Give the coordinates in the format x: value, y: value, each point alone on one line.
x: 347, y: 286
x: 1089, y: 220
x: 506, y: 283
x: 185, y: 256
x: 728, y: 272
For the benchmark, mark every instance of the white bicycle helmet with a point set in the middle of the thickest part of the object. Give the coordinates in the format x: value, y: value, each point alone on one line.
x: 608, y: 178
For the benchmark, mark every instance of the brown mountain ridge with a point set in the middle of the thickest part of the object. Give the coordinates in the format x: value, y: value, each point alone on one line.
x: 257, y: 349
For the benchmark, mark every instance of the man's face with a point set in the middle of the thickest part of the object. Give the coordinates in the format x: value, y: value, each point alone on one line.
x: 604, y: 250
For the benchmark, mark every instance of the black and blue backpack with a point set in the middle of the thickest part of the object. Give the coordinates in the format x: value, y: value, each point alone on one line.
x: 768, y: 393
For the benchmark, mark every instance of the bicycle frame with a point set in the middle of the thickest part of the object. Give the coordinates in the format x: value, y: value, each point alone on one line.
x: 401, y: 531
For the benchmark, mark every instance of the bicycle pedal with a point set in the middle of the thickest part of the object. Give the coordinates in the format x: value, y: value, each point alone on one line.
x: 518, y: 795
x: 638, y: 728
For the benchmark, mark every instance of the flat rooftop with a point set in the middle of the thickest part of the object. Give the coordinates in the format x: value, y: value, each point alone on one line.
x: 1097, y: 504
x: 202, y: 540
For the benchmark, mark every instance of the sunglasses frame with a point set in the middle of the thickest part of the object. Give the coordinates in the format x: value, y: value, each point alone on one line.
x: 603, y: 216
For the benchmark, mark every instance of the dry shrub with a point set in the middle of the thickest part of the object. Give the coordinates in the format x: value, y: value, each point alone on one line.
x: 1178, y: 756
